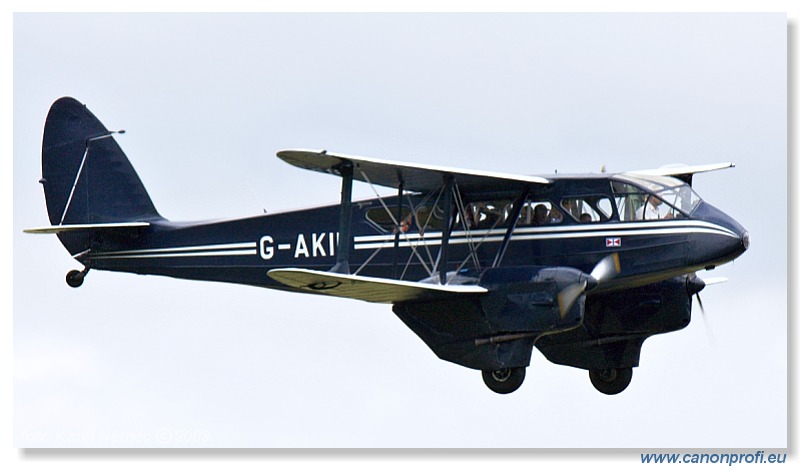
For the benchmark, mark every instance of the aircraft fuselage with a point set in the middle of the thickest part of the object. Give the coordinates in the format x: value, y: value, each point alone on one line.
x: 244, y: 250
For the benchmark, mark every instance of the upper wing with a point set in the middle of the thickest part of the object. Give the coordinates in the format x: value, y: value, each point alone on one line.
x: 683, y: 172
x: 412, y: 176
x: 370, y: 289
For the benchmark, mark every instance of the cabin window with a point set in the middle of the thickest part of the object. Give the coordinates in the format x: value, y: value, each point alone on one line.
x: 378, y: 217
x: 429, y: 217
x: 486, y: 214
x: 588, y: 209
x: 535, y: 213
x: 498, y: 214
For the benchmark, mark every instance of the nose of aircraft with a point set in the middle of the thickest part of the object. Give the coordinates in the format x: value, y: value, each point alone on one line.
x: 725, y: 243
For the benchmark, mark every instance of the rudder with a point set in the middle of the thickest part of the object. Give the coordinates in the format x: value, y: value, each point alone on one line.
x: 78, y: 150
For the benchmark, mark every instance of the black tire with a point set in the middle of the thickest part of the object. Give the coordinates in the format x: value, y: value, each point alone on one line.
x: 75, y: 278
x: 504, y: 380
x: 611, y: 381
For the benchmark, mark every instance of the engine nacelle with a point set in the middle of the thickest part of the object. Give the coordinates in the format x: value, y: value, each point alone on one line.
x: 615, y: 326
x: 497, y: 330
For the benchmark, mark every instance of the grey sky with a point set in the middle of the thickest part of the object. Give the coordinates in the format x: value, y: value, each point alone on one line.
x: 208, y: 99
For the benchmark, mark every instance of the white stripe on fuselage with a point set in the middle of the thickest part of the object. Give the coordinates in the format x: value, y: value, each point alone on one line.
x: 372, y: 242
x: 547, y: 233
x: 225, y: 249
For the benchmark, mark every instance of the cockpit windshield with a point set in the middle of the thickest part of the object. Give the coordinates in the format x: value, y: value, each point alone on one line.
x: 653, y: 197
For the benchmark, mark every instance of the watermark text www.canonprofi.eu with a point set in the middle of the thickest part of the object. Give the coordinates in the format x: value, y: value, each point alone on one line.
x: 726, y: 458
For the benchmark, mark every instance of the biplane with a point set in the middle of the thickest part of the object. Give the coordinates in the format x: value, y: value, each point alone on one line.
x: 482, y: 266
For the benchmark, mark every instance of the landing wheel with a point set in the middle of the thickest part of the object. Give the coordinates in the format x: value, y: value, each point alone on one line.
x: 75, y: 278
x: 504, y: 380
x: 611, y: 381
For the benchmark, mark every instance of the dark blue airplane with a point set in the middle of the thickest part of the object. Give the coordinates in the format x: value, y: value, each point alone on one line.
x: 481, y: 266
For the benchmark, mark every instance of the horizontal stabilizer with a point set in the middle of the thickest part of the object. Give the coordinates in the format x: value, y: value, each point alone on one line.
x: 369, y: 289
x: 412, y: 176
x: 87, y: 227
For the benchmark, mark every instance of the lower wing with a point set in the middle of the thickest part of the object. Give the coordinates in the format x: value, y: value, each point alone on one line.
x: 369, y: 289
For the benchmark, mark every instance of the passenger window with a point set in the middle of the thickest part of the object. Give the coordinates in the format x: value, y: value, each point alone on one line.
x: 588, y: 209
x: 535, y: 213
x: 429, y: 217
x: 605, y: 206
x: 381, y: 219
x: 486, y: 214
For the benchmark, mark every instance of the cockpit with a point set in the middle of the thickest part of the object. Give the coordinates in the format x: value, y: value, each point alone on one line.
x: 652, y: 197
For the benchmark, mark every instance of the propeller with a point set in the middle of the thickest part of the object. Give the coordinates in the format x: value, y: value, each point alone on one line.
x: 605, y: 270
x: 700, y: 304
x: 693, y: 286
x: 715, y: 280
x: 568, y: 296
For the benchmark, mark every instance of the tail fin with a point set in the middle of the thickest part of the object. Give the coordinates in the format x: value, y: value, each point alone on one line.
x: 86, y: 176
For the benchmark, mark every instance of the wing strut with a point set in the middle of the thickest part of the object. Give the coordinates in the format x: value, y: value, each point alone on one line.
x: 343, y: 250
x: 511, y: 226
x: 446, y: 228
x: 398, y: 227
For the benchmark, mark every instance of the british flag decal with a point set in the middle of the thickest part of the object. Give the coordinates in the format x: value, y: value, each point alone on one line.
x: 613, y: 241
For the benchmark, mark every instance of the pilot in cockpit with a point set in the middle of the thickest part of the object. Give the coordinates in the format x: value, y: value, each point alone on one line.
x: 650, y: 210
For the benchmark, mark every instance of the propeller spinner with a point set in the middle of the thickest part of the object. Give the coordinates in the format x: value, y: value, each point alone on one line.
x: 605, y: 270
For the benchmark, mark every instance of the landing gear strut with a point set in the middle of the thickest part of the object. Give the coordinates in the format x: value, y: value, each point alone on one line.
x: 75, y: 277
x: 504, y: 380
x: 611, y: 381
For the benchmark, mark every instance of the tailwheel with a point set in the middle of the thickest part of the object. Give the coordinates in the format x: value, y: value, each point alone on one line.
x: 504, y: 380
x: 75, y: 277
x: 611, y: 381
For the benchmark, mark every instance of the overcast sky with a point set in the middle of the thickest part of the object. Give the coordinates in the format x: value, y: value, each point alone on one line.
x: 207, y: 100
